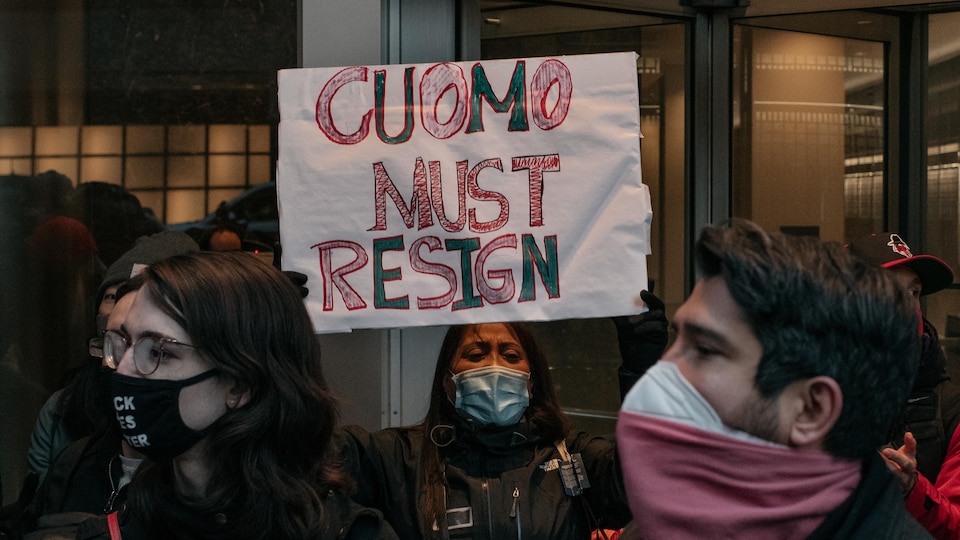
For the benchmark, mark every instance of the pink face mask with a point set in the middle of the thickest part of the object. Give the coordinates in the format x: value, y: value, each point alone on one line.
x: 684, y: 471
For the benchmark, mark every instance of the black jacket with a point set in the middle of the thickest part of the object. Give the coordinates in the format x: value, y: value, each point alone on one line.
x: 932, y: 411
x: 83, y: 478
x: 500, y: 484
x: 874, y: 511
x: 82, y: 482
x: 343, y: 520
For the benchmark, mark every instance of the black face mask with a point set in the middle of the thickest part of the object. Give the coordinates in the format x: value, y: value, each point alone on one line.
x: 102, y: 324
x: 105, y: 395
x: 148, y: 412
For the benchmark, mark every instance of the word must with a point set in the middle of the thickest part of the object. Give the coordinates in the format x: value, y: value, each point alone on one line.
x: 427, y: 198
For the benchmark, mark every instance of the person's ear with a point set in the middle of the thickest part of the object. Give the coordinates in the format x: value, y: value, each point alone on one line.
x: 818, y: 402
x: 237, y: 397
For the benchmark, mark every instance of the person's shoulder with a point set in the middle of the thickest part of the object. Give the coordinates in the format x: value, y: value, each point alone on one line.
x: 98, y: 446
x: 48, y: 418
x: 63, y: 525
x: 395, y: 435
x: 950, y: 395
x: 581, y: 440
x: 874, y: 511
x: 50, y: 405
x: 347, y: 520
x: 389, y: 448
x: 950, y: 405
x: 899, y: 526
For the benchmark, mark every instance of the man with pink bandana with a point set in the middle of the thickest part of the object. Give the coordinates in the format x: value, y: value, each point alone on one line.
x: 763, y: 418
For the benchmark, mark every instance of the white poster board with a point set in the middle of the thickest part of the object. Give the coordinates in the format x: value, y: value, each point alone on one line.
x: 464, y: 192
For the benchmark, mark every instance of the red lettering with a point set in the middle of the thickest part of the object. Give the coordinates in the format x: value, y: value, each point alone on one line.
x: 324, y: 114
x: 436, y: 82
x: 551, y: 73
x: 419, y: 202
x: 425, y: 267
x: 436, y: 196
x: 503, y: 293
x: 427, y: 200
x: 448, y: 102
x: 466, y: 258
x: 479, y: 194
x: 334, y: 277
x: 536, y: 165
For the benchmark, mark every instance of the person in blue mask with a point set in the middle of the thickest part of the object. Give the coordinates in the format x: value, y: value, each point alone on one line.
x: 495, y: 456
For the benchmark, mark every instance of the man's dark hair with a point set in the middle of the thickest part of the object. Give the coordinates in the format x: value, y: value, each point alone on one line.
x: 817, y: 310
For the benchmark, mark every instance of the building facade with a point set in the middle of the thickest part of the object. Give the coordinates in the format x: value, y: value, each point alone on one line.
x: 827, y: 117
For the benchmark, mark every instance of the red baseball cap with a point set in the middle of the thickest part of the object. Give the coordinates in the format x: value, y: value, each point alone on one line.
x: 888, y: 250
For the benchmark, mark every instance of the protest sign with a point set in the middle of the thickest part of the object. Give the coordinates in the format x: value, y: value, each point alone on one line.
x: 463, y: 192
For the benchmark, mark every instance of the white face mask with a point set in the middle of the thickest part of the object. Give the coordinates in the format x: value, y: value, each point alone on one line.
x: 492, y: 395
x: 663, y: 392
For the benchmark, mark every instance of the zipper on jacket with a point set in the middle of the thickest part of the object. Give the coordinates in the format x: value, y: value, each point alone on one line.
x: 515, y: 511
x: 486, y: 498
x: 113, y: 488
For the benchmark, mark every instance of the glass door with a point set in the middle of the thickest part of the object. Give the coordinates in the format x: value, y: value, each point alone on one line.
x: 583, y: 353
x: 941, y: 211
x: 811, y: 123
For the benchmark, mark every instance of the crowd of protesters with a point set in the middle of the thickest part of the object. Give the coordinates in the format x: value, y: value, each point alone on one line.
x: 161, y: 386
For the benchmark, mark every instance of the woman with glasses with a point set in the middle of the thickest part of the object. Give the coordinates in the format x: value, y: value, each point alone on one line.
x: 218, y: 383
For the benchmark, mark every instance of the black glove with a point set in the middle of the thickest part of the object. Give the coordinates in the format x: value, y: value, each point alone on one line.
x: 298, y: 279
x: 277, y: 252
x: 642, y: 339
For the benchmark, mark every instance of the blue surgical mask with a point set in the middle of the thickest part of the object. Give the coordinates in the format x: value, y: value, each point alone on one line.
x: 492, y: 395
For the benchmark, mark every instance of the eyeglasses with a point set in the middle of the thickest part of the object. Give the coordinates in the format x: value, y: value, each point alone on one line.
x: 148, y: 351
x: 95, y: 347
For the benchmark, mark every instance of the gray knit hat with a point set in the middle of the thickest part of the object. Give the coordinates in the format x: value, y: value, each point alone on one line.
x: 146, y: 251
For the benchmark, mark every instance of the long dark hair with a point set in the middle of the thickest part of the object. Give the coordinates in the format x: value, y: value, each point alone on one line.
x: 269, y: 457
x: 544, y: 411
